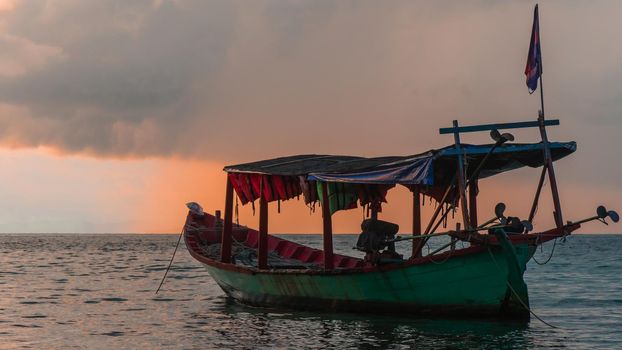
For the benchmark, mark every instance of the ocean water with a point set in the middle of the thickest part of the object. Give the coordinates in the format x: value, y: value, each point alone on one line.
x: 97, y: 292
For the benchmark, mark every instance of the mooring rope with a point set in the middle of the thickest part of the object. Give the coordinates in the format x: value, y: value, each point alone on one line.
x: 550, y: 256
x: 442, y: 261
x: 171, y: 262
x: 516, y: 294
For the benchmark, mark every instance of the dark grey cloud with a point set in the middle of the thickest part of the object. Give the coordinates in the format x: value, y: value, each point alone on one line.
x: 123, y: 66
x: 235, y: 80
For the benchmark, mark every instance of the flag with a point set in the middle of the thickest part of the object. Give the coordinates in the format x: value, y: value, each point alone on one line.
x: 533, y: 70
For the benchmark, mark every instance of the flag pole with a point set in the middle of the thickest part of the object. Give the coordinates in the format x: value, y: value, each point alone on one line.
x: 545, y: 142
x: 540, y: 69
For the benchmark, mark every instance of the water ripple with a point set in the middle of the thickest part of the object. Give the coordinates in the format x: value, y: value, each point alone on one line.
x: 59, y: 288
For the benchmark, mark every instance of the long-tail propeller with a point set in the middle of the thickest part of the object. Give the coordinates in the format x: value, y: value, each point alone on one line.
x: 503, y: 220
x: 499, y: 210
x: 501, y: 138
x: 499, y: 216
x: 613, y: 215
x: 528, y: 225
x: 601, y: 214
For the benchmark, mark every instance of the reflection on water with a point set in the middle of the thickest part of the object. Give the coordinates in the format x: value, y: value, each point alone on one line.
x: 97, y: 292
x: 284, y: 328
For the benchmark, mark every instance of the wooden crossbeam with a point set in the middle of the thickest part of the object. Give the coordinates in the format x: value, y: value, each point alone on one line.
x: 498, y: 126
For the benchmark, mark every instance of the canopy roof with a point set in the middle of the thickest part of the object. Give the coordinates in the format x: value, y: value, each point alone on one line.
x: 435, y: 167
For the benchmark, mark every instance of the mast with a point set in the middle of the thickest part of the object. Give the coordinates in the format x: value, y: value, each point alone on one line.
x: 545, y: 142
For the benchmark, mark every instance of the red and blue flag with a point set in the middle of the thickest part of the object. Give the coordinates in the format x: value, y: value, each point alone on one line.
x: 533, y: 70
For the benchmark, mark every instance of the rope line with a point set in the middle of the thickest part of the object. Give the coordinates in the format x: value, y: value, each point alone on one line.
x: 518, y: 296
x: 442, y: 261
x: 550, y: 256
x: 170, y: 262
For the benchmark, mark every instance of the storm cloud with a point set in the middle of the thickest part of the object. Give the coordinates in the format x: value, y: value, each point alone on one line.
x: 235, y: 80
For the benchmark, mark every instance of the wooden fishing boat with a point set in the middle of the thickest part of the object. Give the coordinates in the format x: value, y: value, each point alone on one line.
x: 485, y: 278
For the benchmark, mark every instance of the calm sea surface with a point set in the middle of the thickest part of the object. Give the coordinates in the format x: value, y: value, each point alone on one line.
x: 97, y: 292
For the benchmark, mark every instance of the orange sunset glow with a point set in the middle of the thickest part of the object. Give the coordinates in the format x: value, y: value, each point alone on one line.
x: 113, y: 116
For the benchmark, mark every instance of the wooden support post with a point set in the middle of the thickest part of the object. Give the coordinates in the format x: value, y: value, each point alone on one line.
x: 416, y: 222
x: 225, y: 247
x: 439, y: 206
x: 429, y: 228
x: 328, y: 229
x: 536, y: 198
x: 262, y: 255
x: 461, y: 180
x: 454, y: 239
x: 473, y: 202
x: 549, y: 165
x: 374, y: 210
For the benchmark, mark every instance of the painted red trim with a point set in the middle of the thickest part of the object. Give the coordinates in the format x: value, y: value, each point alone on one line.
x: 354, y: 264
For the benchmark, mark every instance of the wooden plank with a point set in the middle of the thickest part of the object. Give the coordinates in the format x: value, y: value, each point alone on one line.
x: 498, y: 126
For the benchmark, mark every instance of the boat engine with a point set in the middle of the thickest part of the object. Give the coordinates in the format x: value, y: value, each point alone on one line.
x: 511, y: 224
x: 514, y: 225
x: 373, y: 239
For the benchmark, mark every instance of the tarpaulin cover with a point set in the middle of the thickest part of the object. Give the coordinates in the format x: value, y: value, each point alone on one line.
x: 288, y: 177
x: 293, y: 165
x: 414, y: 170
x: 435, y: 167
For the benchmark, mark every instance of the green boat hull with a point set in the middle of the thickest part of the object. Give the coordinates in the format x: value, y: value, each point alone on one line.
x: 486, y: 283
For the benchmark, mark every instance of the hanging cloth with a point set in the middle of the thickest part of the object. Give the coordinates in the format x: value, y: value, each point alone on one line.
x: 341, y: 196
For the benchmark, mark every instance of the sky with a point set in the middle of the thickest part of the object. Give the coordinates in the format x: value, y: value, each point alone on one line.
x: 114, y: 114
